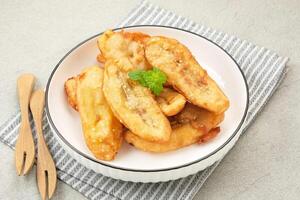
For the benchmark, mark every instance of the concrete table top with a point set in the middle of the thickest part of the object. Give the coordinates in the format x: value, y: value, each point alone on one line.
x: 265, y: 162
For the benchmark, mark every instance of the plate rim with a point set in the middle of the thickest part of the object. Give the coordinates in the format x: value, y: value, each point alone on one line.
x: 52, y: 125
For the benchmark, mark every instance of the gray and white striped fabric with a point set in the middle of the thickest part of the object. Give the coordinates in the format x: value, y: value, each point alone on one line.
x: 263, y: 68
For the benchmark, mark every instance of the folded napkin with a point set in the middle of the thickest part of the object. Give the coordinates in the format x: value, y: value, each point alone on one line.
x: 263, y: 69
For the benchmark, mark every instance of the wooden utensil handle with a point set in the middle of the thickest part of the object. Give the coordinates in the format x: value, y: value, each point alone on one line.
x: 25, y: 84
x: 25, y: 143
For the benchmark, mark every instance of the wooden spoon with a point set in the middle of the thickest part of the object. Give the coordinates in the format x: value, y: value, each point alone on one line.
x: 25, y: 153
x: 46, y: 171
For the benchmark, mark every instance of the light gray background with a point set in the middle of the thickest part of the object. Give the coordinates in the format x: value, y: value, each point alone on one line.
x: 265, y: 163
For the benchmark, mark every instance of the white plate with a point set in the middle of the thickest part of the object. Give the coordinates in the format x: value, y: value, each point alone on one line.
x: 132, y: 164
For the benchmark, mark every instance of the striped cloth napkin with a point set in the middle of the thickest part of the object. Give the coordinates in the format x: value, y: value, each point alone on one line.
x: 263, y: 69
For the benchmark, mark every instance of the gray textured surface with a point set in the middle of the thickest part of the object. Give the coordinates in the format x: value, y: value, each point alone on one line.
x: 265, y: 162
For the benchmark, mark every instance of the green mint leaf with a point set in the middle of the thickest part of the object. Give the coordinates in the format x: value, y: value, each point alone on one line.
x: 156, y: 88
x: 152, y: 79
x: 136, y: 75
x: 158, y: 75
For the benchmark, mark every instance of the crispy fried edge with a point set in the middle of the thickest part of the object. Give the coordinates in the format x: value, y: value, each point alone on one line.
x: 70, y: 90
x: 100, y: 58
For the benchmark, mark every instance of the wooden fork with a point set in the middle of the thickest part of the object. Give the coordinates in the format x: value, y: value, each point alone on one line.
x: 46, y: 171
x: 25, y: 153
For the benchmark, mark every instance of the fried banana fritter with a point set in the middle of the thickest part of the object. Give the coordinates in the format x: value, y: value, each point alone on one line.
x: 170, y: 101
x: 139, y: 37
x: 132, y: 103
x: 125, y: 48
x: 185, y: 74
x: 188, y: 127
x: 102, y: 131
